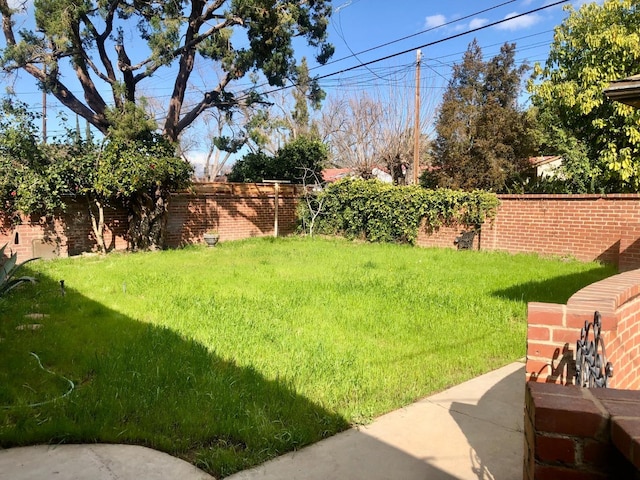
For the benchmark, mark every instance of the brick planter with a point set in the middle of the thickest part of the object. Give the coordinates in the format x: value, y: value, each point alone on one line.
x: 579, y: 433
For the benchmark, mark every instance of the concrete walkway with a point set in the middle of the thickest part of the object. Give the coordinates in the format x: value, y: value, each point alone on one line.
x: 94, y: 462
x: 471, y: 431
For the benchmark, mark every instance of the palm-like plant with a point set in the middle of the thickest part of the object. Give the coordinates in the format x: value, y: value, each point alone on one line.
x: 8, y: 269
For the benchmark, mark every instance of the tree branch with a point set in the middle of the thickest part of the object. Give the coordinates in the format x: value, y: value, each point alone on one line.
x: 184, y: 48
x: 129, y: 82
x: 209, y: 99
x: 68, y: 99
x: 91, y: 94
x: 209, y: 14
x: 7, y: 22
x: 110, y: 76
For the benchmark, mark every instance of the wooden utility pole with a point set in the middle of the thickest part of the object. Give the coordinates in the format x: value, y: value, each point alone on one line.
x: 44, y: 110
x: 416, y: 127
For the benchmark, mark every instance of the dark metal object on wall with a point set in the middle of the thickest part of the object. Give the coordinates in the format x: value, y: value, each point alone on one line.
x: 592, y: 368
x: 465, y: 240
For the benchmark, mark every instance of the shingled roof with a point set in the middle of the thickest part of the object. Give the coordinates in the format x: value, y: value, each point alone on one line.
x: 625, y: 90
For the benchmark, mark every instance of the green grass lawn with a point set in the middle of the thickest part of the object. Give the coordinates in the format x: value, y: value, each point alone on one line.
x: 231, y: 355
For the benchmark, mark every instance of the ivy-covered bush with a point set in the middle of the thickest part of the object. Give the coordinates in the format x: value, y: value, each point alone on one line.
x: 380, y: 212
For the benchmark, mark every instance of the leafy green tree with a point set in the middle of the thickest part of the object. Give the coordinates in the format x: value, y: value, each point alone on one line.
x: 232, y: 38
x: 456, y: 125
x: 483, y: 140
x: 599, y: 139
x: 252, y: 168
x: 301, y: 158
x: 134, y: 167
x: 577, y: 174
x: 33, y: 178
x: 307, y: 95
x: 37, y: 178
x: 141, y: 172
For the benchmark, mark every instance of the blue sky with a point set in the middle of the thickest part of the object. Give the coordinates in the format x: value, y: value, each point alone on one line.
x: 360, y: 25
x: 358, y: 28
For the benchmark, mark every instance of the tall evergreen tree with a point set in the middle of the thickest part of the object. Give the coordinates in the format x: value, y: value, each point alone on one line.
x: 482, y: 139
x: 307, y: 93
x: 456, y: 122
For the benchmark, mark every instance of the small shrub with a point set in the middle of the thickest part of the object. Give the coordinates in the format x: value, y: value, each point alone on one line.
x: 8, y: 269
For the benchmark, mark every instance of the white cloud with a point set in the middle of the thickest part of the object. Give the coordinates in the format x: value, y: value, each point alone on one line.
x: 520, y: 23
x: 478, y: 22
x: 434, y: 21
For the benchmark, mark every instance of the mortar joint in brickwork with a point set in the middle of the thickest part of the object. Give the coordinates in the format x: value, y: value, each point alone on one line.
x: 605, y: 426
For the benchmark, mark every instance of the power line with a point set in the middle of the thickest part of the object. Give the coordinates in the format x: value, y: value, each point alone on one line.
x: 413, y: 35
x: 435, y: 42
x: 451, y: 37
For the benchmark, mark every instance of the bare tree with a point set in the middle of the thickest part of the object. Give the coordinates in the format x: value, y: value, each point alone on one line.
x: 352, y: 128
x: 220, y: 135
x: 376, y: 130
x: 314, y: 198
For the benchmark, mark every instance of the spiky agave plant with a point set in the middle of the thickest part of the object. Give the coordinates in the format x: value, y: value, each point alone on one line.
x: 8, y: 269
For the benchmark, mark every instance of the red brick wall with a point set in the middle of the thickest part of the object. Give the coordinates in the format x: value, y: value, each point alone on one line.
x: 68, y: 235
x: 586, y: 227
x: 554, y: 329
x: 578, y: 433
x: 581, y: 434
x: 236, y: 210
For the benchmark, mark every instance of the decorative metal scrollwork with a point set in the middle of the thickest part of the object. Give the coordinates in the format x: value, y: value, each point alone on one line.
x: 592, y: 368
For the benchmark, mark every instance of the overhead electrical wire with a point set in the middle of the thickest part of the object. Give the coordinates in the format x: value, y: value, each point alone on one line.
x: 429, y: 44
x: 465, y: 17
x: 355, y: 55
x: 425, y: 45
x: 414, y: 34
x: 435, y: 42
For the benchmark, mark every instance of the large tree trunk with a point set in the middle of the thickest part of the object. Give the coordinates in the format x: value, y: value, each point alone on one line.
x: 148, y: 220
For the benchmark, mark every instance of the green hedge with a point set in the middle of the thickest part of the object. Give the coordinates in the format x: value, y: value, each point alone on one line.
x: 380, y: 212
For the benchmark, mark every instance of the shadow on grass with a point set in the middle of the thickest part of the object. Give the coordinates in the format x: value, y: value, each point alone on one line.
x: 141, y: 384
x: 557, y: 289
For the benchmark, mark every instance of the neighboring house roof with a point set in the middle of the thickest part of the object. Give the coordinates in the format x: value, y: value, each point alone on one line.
x: 544, y: 160
x: 335, y: 174
x: 546, y: 166
x: 625, y: 90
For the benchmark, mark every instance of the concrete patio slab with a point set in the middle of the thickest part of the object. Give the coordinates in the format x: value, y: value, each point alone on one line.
x: 94, y: 462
